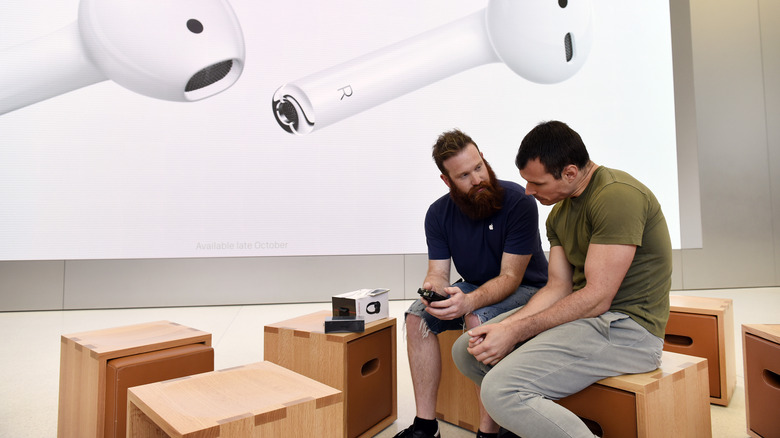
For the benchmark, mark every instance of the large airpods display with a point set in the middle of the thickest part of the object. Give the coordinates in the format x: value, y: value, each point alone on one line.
x: 148, y: 129
x: 179, y: 51
x: 542, y: 41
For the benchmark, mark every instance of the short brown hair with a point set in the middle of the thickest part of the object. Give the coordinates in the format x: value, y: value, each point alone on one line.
x: 448, y: 145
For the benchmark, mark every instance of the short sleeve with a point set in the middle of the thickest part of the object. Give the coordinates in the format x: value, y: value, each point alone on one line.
x: 435, y: 236
x: 523, y: 235
x: 618, y: 215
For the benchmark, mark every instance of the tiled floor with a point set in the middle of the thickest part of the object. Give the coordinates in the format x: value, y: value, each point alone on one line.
x: 29, y: 362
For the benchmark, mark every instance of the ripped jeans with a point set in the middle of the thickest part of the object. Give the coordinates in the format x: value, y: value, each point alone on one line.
x: 434, y: 325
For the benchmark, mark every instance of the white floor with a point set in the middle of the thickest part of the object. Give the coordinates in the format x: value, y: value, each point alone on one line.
x: 29, y: 362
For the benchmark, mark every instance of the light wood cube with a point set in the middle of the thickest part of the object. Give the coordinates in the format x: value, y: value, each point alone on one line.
x: 671, y: 401
x: 761, y: 347
x: 83, y: 359
x: 362, y: 365
x: 704, y: 327
x: 256, y: 400
x: 457, y: 402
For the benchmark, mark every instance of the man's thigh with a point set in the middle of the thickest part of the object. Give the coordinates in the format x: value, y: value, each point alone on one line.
x: 566, y: 359
x: 511, y: 303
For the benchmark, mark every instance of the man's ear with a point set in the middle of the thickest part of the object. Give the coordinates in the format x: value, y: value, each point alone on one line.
x: 570, y: 172
x: 446, y: 180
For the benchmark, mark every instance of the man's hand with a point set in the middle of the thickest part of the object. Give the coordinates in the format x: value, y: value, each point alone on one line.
x: 455, y: 306
x: 489, y: 343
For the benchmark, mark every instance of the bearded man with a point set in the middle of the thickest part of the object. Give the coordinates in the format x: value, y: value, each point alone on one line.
x: 487, y: 228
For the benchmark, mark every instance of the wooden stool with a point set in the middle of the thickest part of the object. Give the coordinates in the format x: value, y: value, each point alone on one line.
x: 704, y: 327
x: 139, y: 369
x: 670, y: 401
x: 363, y: 365
x: 84, y: 359
x: 457, y: 402
x: 261, y: 400
x: 761, y: 347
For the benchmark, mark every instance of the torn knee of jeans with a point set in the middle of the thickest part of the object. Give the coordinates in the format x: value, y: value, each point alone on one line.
x: 480, y: 321
x: 424, y: 329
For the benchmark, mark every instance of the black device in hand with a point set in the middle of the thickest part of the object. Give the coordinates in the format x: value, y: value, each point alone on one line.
x: 431, y: 295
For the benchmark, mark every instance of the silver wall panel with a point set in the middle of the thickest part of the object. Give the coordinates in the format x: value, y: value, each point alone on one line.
x: 677, y: 270
x: 195, y: 282
x: 416, y: 266
x: 737, y: 249
x: 685, y: 124
x: 31, y: 285
x: 770, y: 44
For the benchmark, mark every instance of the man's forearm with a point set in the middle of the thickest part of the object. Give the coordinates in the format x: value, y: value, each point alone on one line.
x: 543, y: 299
x: 436, y: 283
x: 438, y: 276
x: 548, y: 310
x: 493, y: 291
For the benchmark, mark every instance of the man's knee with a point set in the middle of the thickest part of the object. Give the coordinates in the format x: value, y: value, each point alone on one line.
x: 416, y: 327
x: 472, y: 320
x: 493, y: 391
x: 497, y: 393
x: 459, y: 354
x: 464, y: 361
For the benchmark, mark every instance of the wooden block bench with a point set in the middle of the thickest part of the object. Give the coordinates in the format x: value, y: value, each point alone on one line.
x: 456, y: 402
x: 97, y: 367
x: 362, y: 365
x: 671, y: 401
x: 761, y: 346
x: 704, y: 327
x: 139, y: 369
x: 255, y: 400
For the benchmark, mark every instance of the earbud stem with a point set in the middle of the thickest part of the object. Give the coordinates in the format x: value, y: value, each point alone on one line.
x: 43, y: 68
x: 344, y: 90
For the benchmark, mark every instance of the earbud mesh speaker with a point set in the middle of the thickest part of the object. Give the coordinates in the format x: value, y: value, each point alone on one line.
x: 569, y: 48
x: 209, y: 75
x: 287, y: 112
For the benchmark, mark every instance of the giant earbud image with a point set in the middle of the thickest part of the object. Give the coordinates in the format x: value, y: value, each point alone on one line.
x: 544, y: 41
x: 177, y: 50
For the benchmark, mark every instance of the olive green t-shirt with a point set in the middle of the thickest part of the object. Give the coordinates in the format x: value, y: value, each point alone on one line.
x: 615, y: 208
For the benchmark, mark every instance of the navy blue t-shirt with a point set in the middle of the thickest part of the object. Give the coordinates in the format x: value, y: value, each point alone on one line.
x: 476, y: 247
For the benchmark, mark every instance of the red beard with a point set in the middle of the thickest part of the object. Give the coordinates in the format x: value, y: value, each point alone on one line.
x: 481, y: 201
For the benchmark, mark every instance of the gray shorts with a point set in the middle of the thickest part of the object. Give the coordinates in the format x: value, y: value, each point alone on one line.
x: 519, y: 298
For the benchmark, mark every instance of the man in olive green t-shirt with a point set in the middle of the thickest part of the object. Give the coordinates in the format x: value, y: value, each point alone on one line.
x: 606, y: 303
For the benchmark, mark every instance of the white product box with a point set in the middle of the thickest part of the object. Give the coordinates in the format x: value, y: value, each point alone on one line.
x: 369, y: 304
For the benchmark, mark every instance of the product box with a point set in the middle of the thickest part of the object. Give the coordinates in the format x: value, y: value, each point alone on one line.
x: 344, y: 324
x: 369, y: 304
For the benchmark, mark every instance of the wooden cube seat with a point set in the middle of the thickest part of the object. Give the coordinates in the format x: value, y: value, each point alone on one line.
x: 139, y: 369
x: 256, y: 400
x: 84, y: 365
x: 362, y: 365
x: 670, y: 401
x: 761, y: 346
x: 704, y: 327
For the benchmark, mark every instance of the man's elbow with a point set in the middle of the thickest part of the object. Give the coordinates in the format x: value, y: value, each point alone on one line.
x: 603, y: 306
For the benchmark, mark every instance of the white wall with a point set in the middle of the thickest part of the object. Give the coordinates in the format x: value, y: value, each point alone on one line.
x: 727, y: 65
